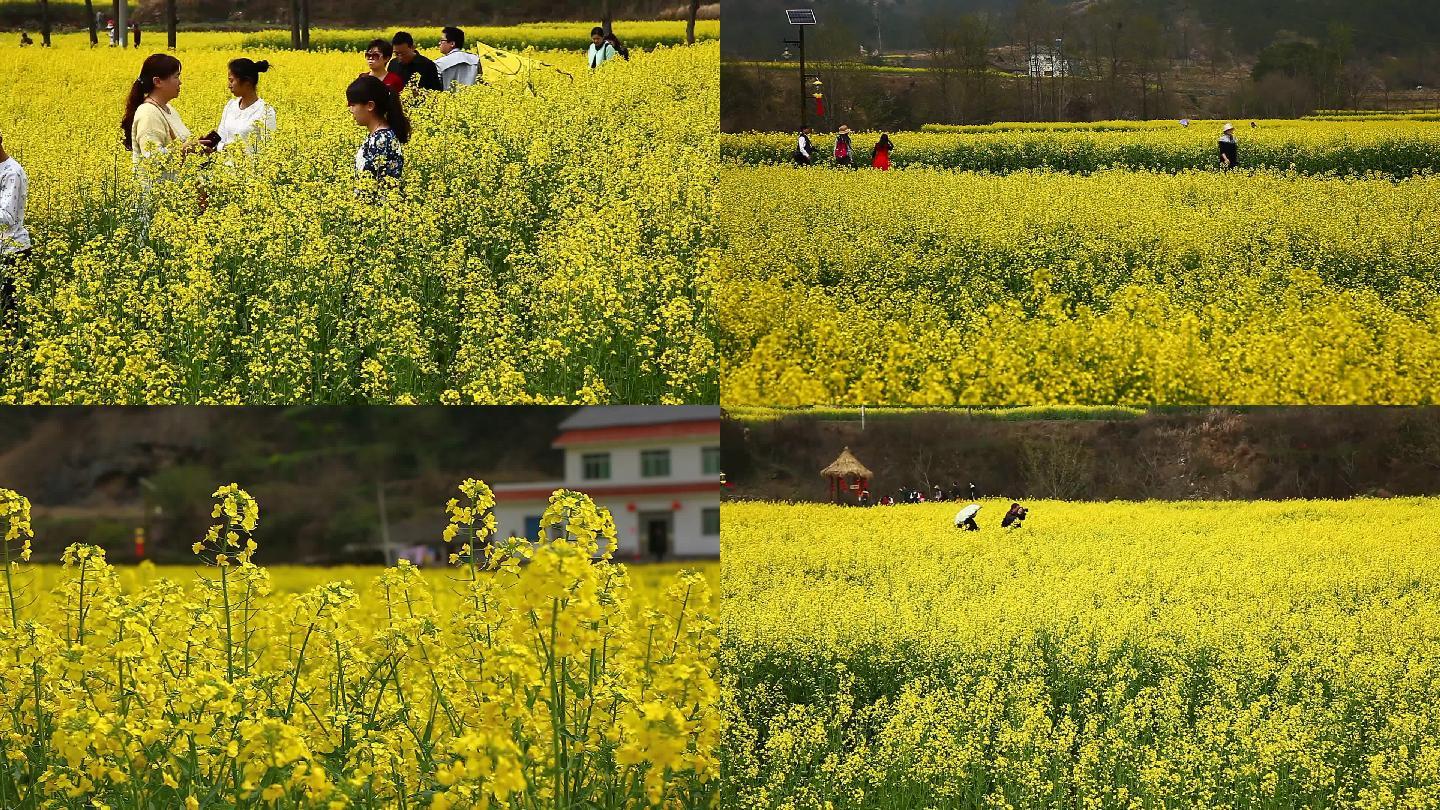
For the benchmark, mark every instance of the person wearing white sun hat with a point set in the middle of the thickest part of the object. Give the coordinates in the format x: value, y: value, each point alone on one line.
x: 1229, y: 148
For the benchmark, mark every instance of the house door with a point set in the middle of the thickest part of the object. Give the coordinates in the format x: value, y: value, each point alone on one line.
x: 656, y: 530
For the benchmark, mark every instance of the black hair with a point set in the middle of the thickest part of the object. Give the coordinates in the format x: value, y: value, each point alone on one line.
x: 402, y: 38
x: 455, y: 35
x: 597, y: 31
x: 885, y: 141
x: 247, y: 70
x: 156, y: 66
x: 367, y: 90
x: 386, y: 49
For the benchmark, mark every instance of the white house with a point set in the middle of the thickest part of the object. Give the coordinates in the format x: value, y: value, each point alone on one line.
x: 1043, y: 64
x: 655, y: 467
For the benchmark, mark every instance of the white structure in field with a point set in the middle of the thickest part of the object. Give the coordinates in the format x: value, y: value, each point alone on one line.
x: 655, y: 467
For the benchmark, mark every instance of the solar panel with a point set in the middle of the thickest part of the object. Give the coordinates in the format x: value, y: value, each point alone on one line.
x: 801, y: 16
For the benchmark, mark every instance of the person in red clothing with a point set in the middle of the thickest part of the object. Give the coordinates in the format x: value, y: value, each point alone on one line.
x: 377, y: 58
x: 881, y: 159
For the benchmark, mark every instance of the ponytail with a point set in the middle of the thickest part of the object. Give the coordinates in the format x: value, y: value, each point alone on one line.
x: 156, y: 66
x: 369, y: 90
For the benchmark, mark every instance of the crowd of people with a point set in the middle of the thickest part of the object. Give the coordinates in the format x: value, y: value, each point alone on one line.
x: 919, y: 495
x: 806, y: 155
x: 151, y: 126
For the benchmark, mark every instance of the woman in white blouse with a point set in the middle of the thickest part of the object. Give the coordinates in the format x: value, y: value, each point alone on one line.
x: 151, y: 125
x: 247, y: 113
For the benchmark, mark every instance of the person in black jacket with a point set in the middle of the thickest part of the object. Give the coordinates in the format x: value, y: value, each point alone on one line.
x: 410, y: 62
x: 1229, y: 148
x: 804, y: 152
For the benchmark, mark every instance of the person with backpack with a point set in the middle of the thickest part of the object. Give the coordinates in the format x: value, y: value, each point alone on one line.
x: 843, y: 152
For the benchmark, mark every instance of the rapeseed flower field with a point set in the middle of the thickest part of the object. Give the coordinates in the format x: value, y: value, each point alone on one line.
x: 553, y: 239
x: 1358, y: 145
x: 1121, y: 287
x: 529, y: 674
x: 1105, y: 655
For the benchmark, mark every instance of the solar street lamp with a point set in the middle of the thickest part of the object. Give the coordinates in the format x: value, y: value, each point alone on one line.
x: 800, y: 17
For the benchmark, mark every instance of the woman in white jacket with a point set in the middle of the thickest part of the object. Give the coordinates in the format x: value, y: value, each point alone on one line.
x: 246, y: 114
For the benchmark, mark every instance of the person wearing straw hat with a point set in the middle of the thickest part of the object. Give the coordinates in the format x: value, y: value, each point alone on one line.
x: 1229, y: 148
x: 842, y: 148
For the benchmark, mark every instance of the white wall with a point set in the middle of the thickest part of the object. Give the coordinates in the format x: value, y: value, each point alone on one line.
x: 687, y: 540
x: 686, y: 461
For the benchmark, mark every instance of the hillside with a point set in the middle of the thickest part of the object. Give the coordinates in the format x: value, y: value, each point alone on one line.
x: 1177, y: 454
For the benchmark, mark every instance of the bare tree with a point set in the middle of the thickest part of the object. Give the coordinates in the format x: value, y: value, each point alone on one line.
x: 90, y: 20
x: 172, y: 19
x: 690, y: 22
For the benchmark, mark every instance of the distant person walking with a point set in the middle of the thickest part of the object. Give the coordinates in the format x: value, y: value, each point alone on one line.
x: 601, y: 50
x: 456, y: 66
x: 246, y: 114
x: 1229, y: 148
x: 151, y: 125
x: 110, y: 29
x: 409, y: 62
x: 377, y: 59
x: 135, y: 31
x: 843, y: 151
x: 378, y: 110
x: 880, y: 159
x: 804, y: 152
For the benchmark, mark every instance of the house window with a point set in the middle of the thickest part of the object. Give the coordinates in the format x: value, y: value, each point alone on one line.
x: 710, y: 522
x: 710, y: 460
x: 532, y: 527
x: 595, y: 466
x: 654, y: 463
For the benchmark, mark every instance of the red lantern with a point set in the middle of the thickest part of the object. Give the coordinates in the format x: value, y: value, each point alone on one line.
x: 674, y: 506
x: 819, y: 104
x: 630, y: 507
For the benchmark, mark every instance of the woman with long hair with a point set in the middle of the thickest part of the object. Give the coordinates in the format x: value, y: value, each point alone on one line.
x: 881, y: 158
x: 378, y: 110
x: 246, y: 113
x: 150, y: 124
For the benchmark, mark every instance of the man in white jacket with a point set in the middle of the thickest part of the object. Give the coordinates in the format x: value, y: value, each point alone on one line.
x: 456, y: 66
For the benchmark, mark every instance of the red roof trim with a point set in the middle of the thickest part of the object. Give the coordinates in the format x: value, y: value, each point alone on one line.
x: 543, y: 493
x: 631, y: 432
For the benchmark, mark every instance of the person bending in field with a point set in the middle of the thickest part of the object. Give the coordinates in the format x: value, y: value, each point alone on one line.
x: 1229, y: 148
x: 377, y: 59
x: 965, y: 518
x: 378, y: 110
x: 457, y: 67
x: 1014, y: 517
x: 151, y: 125
x: 409, y: 62
x: 246, y: 114
x: 880, y: 158
x: 14, y: 238
x: 601, y: 51
x: 843, y: 155
x: 804, y: 152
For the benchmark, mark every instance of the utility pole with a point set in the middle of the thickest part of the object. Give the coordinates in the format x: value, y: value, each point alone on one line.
x: 800, y: 18
x: 172, y: 20
x: 122, y: 24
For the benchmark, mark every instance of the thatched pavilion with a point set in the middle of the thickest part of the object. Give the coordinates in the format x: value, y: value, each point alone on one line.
x: 846, y: 475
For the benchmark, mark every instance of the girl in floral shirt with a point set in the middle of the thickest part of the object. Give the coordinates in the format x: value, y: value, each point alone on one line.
x: 378, y: 110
